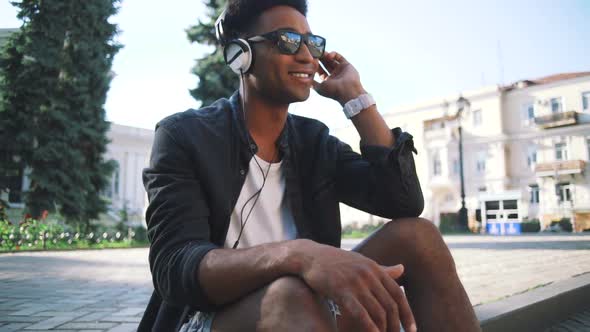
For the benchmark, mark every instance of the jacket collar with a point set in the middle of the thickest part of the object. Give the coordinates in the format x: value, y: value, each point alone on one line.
x: 238, y: 118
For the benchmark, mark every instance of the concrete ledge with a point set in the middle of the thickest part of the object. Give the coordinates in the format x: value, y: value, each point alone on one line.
x: 537, y: 309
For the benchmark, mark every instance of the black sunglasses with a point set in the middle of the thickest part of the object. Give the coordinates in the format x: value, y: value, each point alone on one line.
x: 289, y: 42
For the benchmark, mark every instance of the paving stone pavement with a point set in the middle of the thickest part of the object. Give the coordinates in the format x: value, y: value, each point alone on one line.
x: 107, y: 290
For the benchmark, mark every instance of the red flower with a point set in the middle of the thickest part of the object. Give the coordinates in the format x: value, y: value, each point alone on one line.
x: 44, y: 214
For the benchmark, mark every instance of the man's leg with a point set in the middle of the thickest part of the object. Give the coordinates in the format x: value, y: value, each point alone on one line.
x: 287, y: 304
x: 437, y: 297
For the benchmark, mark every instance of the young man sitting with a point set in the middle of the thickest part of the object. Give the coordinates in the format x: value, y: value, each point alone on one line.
x: 244, y: 220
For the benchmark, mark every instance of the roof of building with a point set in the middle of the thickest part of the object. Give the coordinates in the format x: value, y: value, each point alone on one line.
x: 545, y: 80
x: 5, y: 34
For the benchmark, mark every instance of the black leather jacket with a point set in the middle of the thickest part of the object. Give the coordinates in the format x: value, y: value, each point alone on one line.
x: 198, y: 165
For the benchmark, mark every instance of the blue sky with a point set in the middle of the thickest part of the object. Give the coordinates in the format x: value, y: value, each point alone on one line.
x: 405, y: 51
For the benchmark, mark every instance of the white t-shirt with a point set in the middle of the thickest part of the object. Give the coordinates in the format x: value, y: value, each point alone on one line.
x: 270, y: 220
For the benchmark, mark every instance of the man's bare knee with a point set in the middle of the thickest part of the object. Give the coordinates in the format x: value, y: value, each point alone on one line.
x: 289, y: 289
x: 288, y: 294
x: 286, y: 304
x: 289, y: 301
x: 414, y: 230
x: 429, y: 252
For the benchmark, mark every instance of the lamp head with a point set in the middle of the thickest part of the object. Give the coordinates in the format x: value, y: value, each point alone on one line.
x: 462, y: 104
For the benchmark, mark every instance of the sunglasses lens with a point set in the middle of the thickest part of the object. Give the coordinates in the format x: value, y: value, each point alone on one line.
x: 289, y: 42
x: 316, y: 45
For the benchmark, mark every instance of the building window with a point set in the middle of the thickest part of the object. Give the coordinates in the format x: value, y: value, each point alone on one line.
x: 14, y: 183
x: 436, y: 164
x: 481, y: 162
x: 528, y: 114
x: 482, y: 189
x: 113, y: 189
x: 586, y: 101
x: 449, y: 198
x: 560, y: 151
x: 563, y: 191
x: 556, y: 105
x: 588, y: 146
x: 477, y: 118
x: 457, y: 167
x: 534, y: 190
x: 531, y: 159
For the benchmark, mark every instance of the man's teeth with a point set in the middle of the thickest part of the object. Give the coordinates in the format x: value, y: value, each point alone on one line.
x: 303, y: 75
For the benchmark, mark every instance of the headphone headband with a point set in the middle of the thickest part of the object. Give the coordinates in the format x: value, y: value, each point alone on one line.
x: 219, y: 30
x: 236, y: 52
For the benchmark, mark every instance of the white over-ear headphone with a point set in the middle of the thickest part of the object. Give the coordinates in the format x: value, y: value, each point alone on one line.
x: 236, y: 52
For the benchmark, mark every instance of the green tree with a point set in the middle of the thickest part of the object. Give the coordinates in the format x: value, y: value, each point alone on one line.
x: 216, y: 80
x: 16, y: 144
x: 56, y: 72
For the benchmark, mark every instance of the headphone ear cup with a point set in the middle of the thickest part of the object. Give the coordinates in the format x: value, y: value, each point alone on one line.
x: 238, y: 55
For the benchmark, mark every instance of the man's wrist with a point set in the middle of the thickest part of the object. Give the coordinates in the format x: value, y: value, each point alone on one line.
x: 295, y: 260
x: 351, y: 94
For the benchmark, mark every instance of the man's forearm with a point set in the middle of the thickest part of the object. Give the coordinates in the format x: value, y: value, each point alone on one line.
x: 228, y: 274
x: 372, y: 128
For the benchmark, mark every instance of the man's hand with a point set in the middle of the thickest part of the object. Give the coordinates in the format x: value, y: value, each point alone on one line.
x: 362, y: 288
x: 343, y: 83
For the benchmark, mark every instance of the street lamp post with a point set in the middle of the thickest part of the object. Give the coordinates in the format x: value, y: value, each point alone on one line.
x: 462, y: 104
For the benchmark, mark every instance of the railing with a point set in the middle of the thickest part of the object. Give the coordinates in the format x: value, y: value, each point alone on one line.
x: 560, y: 167
x: 557, y: 119
x: 438, y: 134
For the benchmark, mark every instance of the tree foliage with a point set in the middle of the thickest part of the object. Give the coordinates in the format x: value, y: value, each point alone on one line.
x: 56, y: 71
x: 216, y: 80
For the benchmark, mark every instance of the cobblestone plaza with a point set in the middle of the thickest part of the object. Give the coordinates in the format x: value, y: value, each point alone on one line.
x: 107, y: 290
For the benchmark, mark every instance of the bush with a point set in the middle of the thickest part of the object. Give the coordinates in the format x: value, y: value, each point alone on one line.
x: 566, y: 225
x: 449, y: 223
x: 354, y: 231
x: 139, y: 234
x: 32, y: 234
x: 532, y: 226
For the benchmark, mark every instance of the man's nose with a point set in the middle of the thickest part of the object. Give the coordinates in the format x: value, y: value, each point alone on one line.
x: 303, y: 54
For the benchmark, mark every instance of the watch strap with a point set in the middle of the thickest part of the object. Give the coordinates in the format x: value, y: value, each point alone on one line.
x: 356, y: 105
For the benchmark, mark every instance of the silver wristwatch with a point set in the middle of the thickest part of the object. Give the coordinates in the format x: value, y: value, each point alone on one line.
x: 356, y: 105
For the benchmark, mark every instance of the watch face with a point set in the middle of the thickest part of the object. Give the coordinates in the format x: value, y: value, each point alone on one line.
x: 357, y: 105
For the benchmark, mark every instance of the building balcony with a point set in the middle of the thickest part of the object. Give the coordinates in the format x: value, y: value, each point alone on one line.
x: 439, y: 183
x: 440, y: 128
x: 560, y: 167
x: 444, y: 134
x: 554, y: 120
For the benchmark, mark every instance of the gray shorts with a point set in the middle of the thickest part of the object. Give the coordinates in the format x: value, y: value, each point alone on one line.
x: 202, y: 321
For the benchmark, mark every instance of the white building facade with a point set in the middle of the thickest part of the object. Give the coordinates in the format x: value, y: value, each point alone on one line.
x: 130, y: 148
x: 525, y: 152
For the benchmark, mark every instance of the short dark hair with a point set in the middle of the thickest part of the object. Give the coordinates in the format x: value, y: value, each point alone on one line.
x: 241, y: 14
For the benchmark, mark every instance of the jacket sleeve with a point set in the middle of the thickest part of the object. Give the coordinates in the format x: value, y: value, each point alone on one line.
x: 383, y: 181
x: 177, y: 220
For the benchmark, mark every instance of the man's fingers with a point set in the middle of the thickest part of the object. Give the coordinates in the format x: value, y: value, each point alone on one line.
x: 389, y: 305
x: 332, y: 60
x: 405, y: 312
x: 341, y: 59
x: 359, y: 314
x: 376, y: 311
x: 323, y: 71
x: 395, y: 271
x: 316, y: 85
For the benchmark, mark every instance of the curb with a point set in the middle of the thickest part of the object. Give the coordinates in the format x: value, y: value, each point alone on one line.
x: 537, y: 309
x: 143, y: 246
